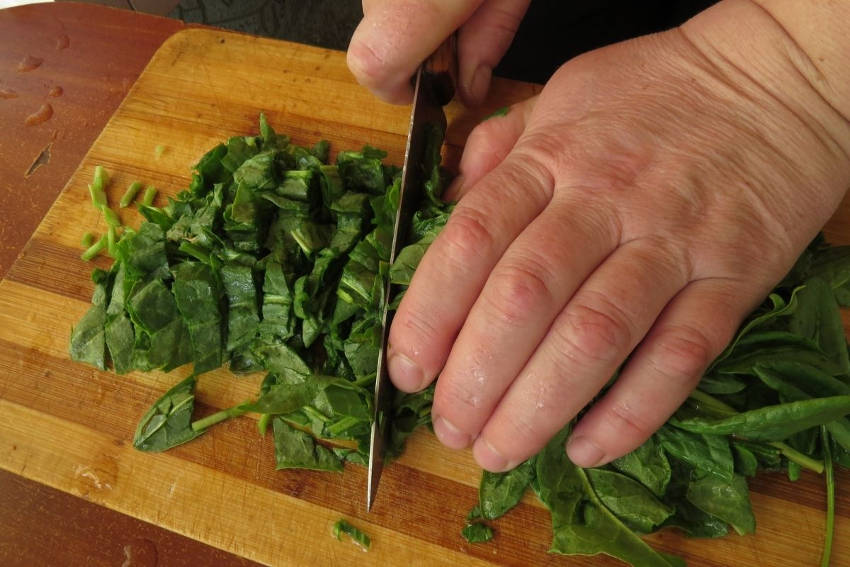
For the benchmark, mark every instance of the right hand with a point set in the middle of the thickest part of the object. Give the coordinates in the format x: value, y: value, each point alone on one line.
x: 395, y: 36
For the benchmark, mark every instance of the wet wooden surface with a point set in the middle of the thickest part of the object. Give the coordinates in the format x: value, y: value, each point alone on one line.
x: 88, y: 57
x: 68, y: 426
x: 64, y: 69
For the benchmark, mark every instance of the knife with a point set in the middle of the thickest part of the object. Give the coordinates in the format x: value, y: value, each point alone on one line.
x: 434, y: 87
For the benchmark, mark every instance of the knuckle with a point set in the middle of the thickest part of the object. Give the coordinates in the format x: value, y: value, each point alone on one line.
x: 682, y: 353
x: 623, y: 417
x: 466, y: 236
x: 595, y: 334
x: 414, y: 327
x: 459, y: 398
x: 518, y: 291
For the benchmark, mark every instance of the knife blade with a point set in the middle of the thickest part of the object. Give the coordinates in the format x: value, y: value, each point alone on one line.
x: 434, y: 86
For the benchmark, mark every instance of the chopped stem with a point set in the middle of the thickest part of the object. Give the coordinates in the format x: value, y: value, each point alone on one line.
x: 130, y: 194
x: 148, y: 197
x: 94, y: 249
x: 87, y: 240
x: 830, y: 498
x: 263, y: 423
x: 110, y: 216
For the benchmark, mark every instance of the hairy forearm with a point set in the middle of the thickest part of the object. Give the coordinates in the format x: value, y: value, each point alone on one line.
x: 798, y: 52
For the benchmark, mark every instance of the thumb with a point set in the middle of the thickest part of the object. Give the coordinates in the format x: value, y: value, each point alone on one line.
x: 395, y: 36
x: 483, y: 41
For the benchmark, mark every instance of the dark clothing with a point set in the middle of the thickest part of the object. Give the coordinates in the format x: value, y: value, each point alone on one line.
x: 552, y: 31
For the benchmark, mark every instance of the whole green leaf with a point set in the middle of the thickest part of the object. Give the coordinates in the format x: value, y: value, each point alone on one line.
x: 629, y: 500
x: 648, y: 465
x: 168, y: 422
x: 709, y: 453
x: 581, y: 524
x: 728, y: 500
x: 772, y: 423
x: 818, y: 319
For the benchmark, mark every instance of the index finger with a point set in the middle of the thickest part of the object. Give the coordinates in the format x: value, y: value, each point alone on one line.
x: 395, y: 36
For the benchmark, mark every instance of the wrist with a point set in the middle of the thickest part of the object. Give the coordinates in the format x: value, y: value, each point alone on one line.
x: 795, y: 55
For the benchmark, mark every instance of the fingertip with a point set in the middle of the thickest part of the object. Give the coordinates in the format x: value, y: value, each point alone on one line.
x: 490, y: 458
x: 372, y: 72
x: 585, y: 452
x: 449, y: 434
x: 405, y: 373
x: 475, y: 85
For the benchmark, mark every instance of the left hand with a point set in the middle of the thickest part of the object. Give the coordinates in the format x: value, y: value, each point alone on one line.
x: 639, y: 208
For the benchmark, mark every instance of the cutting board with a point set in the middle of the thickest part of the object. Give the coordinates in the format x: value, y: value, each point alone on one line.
x: 70, y: 426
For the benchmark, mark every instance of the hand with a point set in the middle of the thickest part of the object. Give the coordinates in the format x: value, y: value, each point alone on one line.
x: 636, y: 211
x: 395, y: 36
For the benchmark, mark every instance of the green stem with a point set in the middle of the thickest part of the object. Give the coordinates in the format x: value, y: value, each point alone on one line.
x: 830, y: 498
x: 796, y: 456
x: 94, y: 249
x: 130, y: 194
x: 148, y: 197
x: 263, y: 423
x: 219, y: 416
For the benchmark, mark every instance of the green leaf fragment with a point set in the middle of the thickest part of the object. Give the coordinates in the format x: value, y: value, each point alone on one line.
x: 357, y: 536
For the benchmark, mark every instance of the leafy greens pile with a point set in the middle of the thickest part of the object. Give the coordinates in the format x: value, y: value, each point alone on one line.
x: 274, y: 260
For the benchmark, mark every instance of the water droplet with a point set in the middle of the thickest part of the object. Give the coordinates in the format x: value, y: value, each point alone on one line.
x: 140, y: 552
x: 43, y: 114
x: 99, y: 476
x: 62, y: 41
x: 56, y: 91
x: 7, y: 93
x: 29, y: 63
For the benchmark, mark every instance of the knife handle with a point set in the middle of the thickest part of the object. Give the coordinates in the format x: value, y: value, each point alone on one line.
x: 442, y: 67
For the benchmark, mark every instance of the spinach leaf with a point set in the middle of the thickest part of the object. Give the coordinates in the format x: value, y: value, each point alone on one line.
x: 629, y: 500
x: 728, y: 500
x: 648, y: 465
x: 772, y: 423
x: 581, y: 523
x: 88, y: 341
x: 499, y: 492
x: 477, y: 532
x: 297, y: 449
x: 168, y: 422
x: 709, y: 453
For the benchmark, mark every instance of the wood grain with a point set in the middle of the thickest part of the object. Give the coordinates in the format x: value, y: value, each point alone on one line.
x: 69, y: 426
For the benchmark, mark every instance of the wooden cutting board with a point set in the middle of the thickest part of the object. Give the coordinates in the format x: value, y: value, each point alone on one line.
x: 70, y: 426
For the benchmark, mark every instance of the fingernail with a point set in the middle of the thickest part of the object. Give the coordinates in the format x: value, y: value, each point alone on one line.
x: 479, y: 83
x: 406, y: 374
x: 583, y: 452
x: 489, y: 457
x: 449, y: 435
